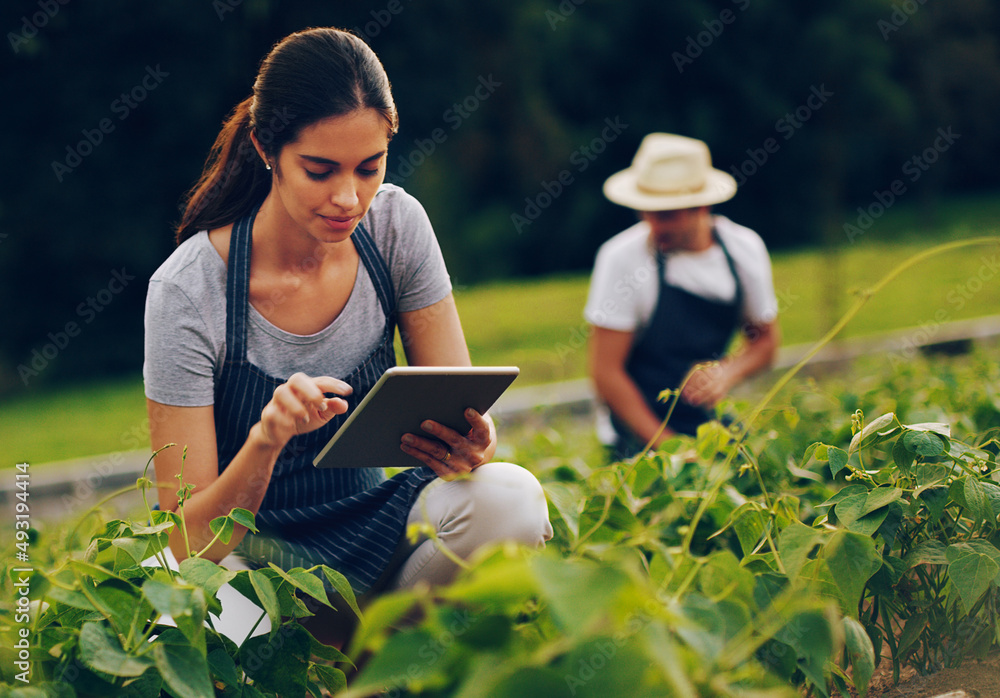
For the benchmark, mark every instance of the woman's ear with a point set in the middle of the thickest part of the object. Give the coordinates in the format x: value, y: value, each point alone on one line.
x: 259, y: 149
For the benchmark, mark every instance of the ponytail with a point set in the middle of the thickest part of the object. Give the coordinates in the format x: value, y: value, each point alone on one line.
x: 232, y: 182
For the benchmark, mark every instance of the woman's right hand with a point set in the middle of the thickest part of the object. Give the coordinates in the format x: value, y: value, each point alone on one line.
x: 299, y: 406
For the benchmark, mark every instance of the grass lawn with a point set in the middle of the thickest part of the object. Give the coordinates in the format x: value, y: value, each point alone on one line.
x: 537, y: 324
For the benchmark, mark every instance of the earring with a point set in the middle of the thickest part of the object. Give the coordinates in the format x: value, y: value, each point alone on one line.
x: 267, y: 166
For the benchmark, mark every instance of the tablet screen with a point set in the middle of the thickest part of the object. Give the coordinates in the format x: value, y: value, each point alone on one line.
x: 400, y: 401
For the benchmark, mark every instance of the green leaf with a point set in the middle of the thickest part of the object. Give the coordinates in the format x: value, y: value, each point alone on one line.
x: 205, y: 574
x: 975, y: 500
x: 118, y: 601
x: 280, y: 663
x: 185, y: 604
x: 379, y: 619
x: 912, y: 629
x: 923, y: 443
x: 343, y: 587
x: 73, y: 599
x: 992, y: 493
x: 264, y: 588
x: 902, y: 456
x: 135, y: 548
x: 837, y: 458
x: 878, y: 430
x: 566, y: 499
x: 749, y: 523
x: 851, y: 560
x: 795, y: 543
x: 100, y: 650
x: 577, y: 591
x: 861, y: 653
x: 880, y: 497
x: 184, y: 669
x: 971, y: 572
x: 223, y: 527
x: 928, y: 552
x: 304, y: 581
x: 936, y: 499
x: 222, y: 667
x: 244, y: 517
x: 333, y: 679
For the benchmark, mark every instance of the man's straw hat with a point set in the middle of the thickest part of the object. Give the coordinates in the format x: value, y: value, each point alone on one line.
x: 670, y: 172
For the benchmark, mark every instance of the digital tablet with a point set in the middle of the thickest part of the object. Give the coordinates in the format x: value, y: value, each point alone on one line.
x: 400, y: 401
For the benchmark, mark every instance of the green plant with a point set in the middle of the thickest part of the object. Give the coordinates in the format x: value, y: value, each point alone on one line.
x: 100, y: 624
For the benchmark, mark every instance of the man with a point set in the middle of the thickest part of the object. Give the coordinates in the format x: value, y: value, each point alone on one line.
x: 669, y: 294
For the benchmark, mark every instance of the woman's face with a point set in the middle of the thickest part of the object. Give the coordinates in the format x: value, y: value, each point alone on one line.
x: 327, y: 177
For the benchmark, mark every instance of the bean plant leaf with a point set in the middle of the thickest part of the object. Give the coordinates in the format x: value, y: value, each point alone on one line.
x: 912, y: 630
x: 100, y: 650
x: 902, y: 456
x: 566, y: 499
x: 992, y: 494
x: 837, y: 458
x: 223, y: 527
x: 135, y: 548
x: 861, y: 653
x: 749, y: 523
x: 971, y: 572
x: 184, y: 669
x: 343, y: 587
x: 851, y: 560
x: 185, y: 604
x: 205, y: 574
x: 853, y: 513
x: 223, y: 667
x: 875, y: 431
x: 264, y: 588
x: 923, y: 443
x: 333, y: 679
x: 795, y: 543
x: 280, y: 663
x: 936, y: 499
x: 579, y: 591
x: 975, y: 500
x: 244, y: 517
x: 304, y: 581
x: 928, y: 552
x: 118, y: 601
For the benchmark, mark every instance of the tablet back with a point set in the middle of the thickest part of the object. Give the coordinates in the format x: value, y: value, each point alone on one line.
x: 400, y: 401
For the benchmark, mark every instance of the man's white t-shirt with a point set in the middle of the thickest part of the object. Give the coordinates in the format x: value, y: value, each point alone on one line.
x: 624, y: 289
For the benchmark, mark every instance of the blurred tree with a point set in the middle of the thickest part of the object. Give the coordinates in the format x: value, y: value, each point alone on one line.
x: 512, y: 115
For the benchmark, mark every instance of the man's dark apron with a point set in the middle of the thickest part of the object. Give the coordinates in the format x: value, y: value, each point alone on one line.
x: 685, y: 329
x: 350, y: 519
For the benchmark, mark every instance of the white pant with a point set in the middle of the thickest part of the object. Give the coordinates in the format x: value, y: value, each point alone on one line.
x: 497, y: 502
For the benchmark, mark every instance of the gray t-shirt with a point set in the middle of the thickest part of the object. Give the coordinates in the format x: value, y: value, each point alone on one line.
x: 185, y: 342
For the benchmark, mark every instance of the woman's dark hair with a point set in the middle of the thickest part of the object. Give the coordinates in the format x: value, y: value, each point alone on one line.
x: 307, y: 76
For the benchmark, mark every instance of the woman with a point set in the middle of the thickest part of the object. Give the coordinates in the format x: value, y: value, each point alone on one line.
x: 295, y: 264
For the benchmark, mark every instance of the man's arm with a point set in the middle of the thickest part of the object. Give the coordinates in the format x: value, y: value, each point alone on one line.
x: 609, y: 351
x: 710, y: 384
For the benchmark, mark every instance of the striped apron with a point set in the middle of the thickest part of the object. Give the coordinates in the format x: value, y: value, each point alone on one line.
x: 350, y: 519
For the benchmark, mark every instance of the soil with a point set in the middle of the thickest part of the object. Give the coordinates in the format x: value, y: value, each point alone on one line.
x: 974, y: 679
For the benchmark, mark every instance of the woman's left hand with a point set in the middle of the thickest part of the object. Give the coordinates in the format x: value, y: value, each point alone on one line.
x: 449, y: 453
